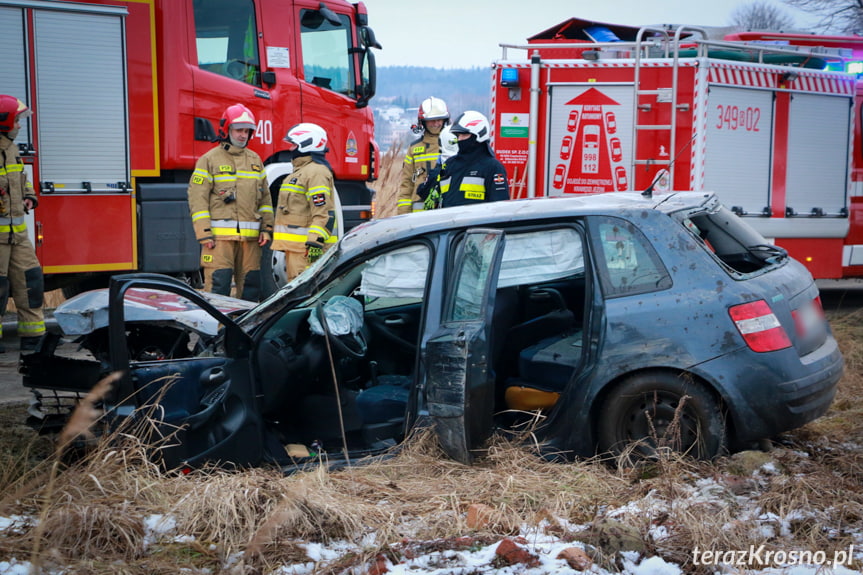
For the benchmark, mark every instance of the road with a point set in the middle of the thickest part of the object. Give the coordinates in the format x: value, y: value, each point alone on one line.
x: 11, y: 389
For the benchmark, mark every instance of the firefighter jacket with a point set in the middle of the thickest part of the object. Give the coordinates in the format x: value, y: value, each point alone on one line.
x: 473, y: 176
x: 229, y: 197
x: 305, y: 211
x: 422, y: 157
x: 14, y: 188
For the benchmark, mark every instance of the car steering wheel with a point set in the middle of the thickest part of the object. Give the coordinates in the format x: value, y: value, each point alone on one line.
x: 349, y: 345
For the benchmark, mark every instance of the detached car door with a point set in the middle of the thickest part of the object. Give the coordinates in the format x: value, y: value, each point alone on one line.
x: 460, y: 393
x: 202, y: 408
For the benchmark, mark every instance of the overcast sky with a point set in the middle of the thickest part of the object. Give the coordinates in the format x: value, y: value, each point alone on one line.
x: 466, y: 33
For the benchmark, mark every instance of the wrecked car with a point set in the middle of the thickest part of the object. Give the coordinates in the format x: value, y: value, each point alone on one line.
x: 606, y: 321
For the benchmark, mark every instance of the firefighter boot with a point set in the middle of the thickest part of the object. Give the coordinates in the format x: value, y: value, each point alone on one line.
x: 30, y: 343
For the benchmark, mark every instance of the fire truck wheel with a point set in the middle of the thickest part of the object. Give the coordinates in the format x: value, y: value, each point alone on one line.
x: 86, y: 283
x: 273, y: 271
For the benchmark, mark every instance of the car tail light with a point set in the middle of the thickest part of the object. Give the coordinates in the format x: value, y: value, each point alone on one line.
x: 808, y: 316
x: 759, y: 326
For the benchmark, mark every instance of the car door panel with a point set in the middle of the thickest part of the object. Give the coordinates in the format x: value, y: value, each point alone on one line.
x: 393, y: 337
x: 211, y: 403
x: 460, y: 383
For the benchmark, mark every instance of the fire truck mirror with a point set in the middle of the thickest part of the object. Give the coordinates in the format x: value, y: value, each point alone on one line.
x: 204, y: 130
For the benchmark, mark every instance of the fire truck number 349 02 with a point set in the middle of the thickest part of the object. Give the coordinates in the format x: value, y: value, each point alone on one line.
x: 734, y: 118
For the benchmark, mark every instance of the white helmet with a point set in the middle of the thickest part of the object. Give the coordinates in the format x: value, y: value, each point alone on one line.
x: 432, y: 109
x: 307, y: 138
x: 448, y: 144
x: 472, y: 122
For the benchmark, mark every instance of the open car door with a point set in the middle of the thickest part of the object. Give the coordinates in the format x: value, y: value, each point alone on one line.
x: 460, y: 393
x: 206, y: 402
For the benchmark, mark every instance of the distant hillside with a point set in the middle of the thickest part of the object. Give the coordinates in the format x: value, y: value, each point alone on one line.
x: 405, y: 87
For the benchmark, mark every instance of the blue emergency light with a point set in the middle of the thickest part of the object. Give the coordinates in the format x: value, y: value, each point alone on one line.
x: 509, y: 77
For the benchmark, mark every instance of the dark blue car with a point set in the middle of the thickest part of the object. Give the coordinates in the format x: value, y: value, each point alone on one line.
x: 610, y: 321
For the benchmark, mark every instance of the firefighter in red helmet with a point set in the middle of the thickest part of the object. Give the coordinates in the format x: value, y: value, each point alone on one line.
x: 20, y: 271
x: 232, y: 212
x: 422, y: 160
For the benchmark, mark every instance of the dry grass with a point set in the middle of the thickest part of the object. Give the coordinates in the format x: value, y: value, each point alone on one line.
x: 387, y: 185
x: 94, y: 511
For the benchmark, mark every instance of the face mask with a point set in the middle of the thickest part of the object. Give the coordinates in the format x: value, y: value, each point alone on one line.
x: 468, y: 145
x: 13, y: 133
x: 238, y: 144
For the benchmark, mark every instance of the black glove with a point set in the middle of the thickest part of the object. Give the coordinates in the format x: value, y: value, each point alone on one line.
x: 431, y: 181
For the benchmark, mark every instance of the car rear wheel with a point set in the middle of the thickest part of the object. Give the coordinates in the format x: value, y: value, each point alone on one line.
x: 653, y: 411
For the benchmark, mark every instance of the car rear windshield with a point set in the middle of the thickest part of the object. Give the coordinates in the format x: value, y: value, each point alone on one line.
x: 734, y: 242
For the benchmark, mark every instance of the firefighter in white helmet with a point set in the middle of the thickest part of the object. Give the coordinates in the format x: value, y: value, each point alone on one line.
x: 232, y: 212
x: 422, y: 161
x: 20, y: 271
x: 474, y: 174
x: 305, y: 211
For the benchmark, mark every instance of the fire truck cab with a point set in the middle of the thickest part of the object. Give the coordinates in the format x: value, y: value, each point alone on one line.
x: 128, y: 94
x: 767, y: 121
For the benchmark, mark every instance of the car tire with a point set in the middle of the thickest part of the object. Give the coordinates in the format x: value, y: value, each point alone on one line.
x: 661, y: 410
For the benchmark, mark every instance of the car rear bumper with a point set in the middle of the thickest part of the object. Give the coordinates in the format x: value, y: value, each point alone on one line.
x: 763, y: 399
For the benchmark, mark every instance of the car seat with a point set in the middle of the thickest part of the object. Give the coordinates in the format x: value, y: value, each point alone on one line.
x: 539, y: 352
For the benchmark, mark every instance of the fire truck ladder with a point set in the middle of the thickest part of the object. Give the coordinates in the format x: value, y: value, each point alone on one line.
x: 643, y: 48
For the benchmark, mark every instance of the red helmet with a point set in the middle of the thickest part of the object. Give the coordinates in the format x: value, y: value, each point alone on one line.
x: 11, y: 109
x: 236, y: 116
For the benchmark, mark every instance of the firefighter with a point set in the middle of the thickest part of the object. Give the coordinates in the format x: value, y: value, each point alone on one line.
x: 422, y: 160
x: 474, y: 174
x: 20, y: 271
x: 232, y: 212
x: 305, y: 212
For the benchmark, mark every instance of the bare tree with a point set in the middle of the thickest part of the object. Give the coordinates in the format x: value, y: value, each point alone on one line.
x: 762, y: 16
x: 835, y: 16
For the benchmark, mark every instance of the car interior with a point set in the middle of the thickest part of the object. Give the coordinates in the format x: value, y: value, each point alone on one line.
x: 536, y: 343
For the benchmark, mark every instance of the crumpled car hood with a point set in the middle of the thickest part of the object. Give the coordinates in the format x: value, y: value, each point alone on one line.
x: 88, y: 311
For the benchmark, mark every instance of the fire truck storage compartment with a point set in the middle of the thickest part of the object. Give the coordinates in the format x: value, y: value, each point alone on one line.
x: 738, y: 147
x: 818, y: 154
x: 167, y: 239
x: 12, y: 70
x: 80, y: 101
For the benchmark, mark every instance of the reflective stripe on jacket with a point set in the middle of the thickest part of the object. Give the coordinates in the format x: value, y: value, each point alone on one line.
x: 306, y: 210
x: 422, y: 156
x: 229, y: 198
x: 14, y: 188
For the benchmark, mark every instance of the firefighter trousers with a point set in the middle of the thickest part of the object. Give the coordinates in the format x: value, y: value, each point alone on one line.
x: 21, y: 276
x: 239, y: 261
x: 295, y: 263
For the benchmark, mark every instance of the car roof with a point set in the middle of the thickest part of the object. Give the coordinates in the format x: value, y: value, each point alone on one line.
x: 390, y: 229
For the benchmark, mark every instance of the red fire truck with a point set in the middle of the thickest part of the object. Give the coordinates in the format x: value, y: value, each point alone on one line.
x: 765, y: 120
x: 127, y: 95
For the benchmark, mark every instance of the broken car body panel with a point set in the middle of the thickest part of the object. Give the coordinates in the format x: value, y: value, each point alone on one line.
x: 88, y: 311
